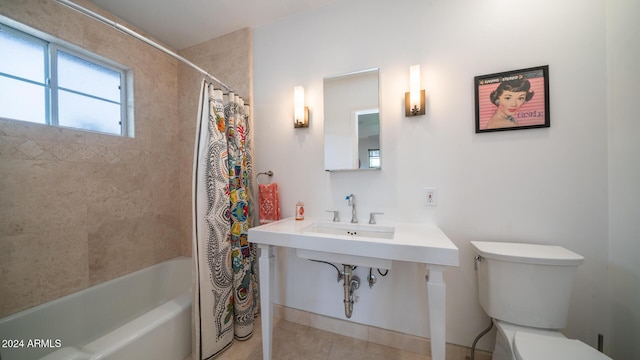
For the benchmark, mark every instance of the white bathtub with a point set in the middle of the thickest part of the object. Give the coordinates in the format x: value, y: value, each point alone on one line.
x: 142, y: 315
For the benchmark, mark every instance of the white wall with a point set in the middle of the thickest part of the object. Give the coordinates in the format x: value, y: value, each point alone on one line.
x: 623, y: 50
x: 543, y: 186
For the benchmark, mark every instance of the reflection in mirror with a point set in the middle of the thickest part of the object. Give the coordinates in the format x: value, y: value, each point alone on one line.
x: 368, y: 122
x: 352, y: 121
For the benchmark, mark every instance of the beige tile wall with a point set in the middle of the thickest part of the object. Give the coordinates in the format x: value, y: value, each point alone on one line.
x: 229, y: 58
x: 79, y: 208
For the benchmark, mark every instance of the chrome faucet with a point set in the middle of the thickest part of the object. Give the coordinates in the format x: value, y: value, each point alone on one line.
x: 352, y: 203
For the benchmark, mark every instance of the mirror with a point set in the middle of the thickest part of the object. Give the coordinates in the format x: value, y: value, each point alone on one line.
x: 352, y: 121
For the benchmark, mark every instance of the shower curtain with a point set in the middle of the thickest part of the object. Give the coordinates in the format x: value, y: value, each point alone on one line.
x: 226, y: 287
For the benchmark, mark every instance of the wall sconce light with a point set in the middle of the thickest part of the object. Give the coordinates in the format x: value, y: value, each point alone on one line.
x: 300, y: 112
x: 414, y: 99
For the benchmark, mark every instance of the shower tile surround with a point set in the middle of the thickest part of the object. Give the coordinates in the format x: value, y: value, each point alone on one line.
x: 78, y: 208
x: 81, y: 208
x: 229, y: 58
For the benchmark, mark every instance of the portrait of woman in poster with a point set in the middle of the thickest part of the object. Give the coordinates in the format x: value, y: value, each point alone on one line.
x: 508, y: 98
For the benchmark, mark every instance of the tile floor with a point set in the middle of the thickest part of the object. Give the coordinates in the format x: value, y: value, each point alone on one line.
x: 293, y: 341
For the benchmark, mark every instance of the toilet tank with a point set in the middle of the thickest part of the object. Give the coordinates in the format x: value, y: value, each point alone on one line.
x: 526, y: 284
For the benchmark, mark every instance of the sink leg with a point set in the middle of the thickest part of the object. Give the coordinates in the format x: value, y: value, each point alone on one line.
x: 266, y: 263
x: 436, y: 299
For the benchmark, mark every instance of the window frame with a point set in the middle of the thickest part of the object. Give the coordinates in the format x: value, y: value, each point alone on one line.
x: 47, y: 93
x: 372, y: 157
x: 52, y: 47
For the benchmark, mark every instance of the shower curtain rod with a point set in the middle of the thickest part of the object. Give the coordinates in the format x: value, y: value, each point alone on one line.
x: 142, y: 38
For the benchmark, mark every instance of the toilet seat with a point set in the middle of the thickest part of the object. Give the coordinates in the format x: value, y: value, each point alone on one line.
x: 529, y: 346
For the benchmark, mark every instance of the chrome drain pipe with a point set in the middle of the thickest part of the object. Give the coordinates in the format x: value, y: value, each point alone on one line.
x: 351, y: 284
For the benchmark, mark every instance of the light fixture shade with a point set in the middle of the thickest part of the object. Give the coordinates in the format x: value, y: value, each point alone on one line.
x: 414, y: 86
x: 415, y: 98
x: 300, y: 112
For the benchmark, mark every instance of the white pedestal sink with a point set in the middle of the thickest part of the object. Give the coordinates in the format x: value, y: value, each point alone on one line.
x: 374, y: 246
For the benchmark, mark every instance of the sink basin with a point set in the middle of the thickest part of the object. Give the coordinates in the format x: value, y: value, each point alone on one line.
x: 323, y: 229
x: 345, y: 229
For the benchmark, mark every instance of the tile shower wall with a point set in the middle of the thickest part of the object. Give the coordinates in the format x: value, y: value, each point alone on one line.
x: 229, y: 58
x: 79, y: 208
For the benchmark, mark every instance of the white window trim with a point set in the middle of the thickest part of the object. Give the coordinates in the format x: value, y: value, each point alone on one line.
x: 54, y: 44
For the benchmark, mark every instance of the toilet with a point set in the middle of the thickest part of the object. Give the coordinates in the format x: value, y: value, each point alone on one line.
x: 526, y: 289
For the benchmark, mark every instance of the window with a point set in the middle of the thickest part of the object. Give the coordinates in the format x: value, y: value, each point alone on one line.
x: 374, y: 158
x: 45, y: 82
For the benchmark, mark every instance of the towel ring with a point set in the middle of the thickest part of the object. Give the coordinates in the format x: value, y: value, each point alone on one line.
x: 268, y: 173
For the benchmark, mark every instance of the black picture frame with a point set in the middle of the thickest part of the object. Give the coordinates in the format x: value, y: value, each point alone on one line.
x: 525, y: 100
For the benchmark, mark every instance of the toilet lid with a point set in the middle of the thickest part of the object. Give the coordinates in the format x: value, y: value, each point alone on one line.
x: 539, y: 347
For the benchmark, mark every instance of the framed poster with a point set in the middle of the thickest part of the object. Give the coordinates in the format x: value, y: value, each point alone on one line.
x: 513, y: 100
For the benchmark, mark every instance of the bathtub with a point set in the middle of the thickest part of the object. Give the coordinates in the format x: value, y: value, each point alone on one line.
x: 142, y: 315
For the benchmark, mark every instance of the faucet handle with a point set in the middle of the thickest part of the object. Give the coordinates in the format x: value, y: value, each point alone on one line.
x: 372, y: 217
x: 336, y: 215
x: 351, y: 199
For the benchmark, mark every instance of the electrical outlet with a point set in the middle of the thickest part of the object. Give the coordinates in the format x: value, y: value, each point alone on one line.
x: 430, y: 196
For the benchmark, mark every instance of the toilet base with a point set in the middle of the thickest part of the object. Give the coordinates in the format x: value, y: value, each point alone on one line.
x: 503, y: 349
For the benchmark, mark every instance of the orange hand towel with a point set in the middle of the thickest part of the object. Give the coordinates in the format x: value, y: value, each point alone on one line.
x: 268, y: 203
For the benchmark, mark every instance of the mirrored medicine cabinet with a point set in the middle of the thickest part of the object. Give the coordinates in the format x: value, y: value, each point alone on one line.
x: 352, y: 121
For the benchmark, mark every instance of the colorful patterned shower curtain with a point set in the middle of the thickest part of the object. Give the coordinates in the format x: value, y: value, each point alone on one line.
x: 226, y: 286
